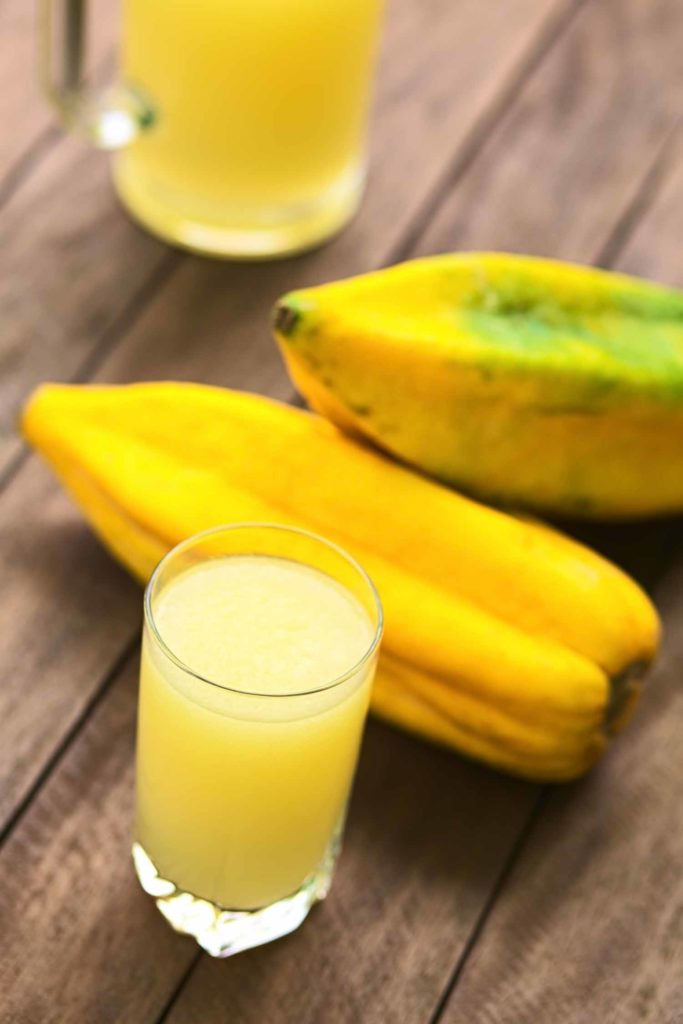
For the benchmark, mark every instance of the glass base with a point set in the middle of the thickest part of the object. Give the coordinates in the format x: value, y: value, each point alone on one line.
x: 269, y: 233
x: 223, y: 932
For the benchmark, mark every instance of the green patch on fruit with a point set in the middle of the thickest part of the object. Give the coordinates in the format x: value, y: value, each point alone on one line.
x: 615, y: 351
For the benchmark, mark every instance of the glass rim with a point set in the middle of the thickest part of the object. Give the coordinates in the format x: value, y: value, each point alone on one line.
x: 194, y: 538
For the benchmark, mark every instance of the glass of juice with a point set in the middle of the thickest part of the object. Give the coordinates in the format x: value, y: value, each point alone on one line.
x: 259, y: 649
x: 240, y: 124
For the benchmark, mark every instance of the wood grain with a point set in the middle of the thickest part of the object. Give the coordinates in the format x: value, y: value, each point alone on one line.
x: 652, y: 250
x: 71, y: 272
x: 590, y: 926
x: 79, y: 940
x: 67, y: 613
x: 582, y: 135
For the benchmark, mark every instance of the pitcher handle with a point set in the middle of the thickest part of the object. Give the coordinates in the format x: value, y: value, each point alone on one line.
x: 107, y: 118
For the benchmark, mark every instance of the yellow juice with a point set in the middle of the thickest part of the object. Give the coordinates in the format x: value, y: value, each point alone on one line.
x: 261, y: 107
x: 238, y: 794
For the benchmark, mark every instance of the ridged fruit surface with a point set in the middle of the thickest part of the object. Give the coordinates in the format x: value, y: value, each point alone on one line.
x: 504, y: 638
x: 524, y: 381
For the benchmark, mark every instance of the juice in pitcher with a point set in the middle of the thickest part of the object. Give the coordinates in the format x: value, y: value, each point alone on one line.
x: 259, y: 113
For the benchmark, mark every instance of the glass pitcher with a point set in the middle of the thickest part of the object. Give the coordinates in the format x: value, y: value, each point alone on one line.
x: 239, y: 125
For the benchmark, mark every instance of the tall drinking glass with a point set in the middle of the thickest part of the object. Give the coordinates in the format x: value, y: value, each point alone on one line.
x: 240, y: 124
x: 259, y: 649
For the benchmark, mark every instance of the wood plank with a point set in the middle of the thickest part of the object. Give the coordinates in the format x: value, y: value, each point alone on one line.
x: 73, y: 268
x: 79, y: 941
x: 67, y: 613
x: 582, y: 135
x: 85, y: 294
x: 589, y: 927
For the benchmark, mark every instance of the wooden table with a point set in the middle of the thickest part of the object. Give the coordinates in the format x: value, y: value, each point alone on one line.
x: 545, y: 126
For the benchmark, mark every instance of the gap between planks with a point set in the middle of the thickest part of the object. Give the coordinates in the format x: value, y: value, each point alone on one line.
x: 486, y: 910
x: 116, y: 668
x: 642, y: 200
x: 27, y: 161
x: 180, y: 985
